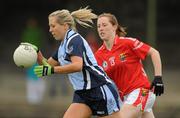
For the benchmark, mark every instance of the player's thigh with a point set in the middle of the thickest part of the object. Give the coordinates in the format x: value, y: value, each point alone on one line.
x: 150, y: 102
x: 78, y: 110
x: 130, y: 111
x: 148, y: 115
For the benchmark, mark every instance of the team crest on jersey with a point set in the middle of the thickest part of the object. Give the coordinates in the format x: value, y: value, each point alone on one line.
x: 111, y: 60
x: 122, y: 57
x: 70, y: 49
x: 104, y: 64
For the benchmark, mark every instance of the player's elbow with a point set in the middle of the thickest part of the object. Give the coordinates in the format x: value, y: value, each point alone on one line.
x: 153, y: 51
x: 78, y: 67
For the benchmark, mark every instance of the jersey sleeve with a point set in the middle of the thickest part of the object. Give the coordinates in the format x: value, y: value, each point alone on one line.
x: 140, y: 48
x: 75, y: 47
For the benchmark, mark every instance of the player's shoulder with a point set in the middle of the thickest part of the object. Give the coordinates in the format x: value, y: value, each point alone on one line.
x: 75, y: 38
x: 100, y: 50
x: 127, y: 39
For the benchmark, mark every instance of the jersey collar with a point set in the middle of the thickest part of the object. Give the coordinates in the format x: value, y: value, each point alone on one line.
x: 68, y: 34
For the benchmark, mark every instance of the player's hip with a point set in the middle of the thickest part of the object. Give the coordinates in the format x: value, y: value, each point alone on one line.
x: 140, y: 97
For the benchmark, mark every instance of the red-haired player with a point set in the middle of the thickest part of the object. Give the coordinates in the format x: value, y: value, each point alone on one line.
x: 121, y: 58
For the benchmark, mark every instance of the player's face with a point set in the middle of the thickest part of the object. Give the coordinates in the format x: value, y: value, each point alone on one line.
x: 57, y: 30
x: 105, y: 29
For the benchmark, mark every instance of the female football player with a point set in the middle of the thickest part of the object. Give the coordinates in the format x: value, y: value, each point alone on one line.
x: 94, y: 94
x: 121, y: 58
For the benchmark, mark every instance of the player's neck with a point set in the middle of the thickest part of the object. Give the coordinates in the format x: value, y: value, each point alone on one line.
x: 109, y: 43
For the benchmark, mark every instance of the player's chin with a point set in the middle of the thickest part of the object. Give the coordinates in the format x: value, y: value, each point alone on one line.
x: 56, y: 38
x: 104, y: 38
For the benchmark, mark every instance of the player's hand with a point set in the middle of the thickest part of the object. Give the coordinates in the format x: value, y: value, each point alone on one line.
x: 44, y: 61
x: 43, y: 70
x: 29, y: 44
x: 158, y: 85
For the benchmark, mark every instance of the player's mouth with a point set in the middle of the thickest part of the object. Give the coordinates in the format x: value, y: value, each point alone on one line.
x: 102, y: 34
x: 53, y: 34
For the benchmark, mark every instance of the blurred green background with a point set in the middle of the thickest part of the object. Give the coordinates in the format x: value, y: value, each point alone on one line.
x: 156, y: 22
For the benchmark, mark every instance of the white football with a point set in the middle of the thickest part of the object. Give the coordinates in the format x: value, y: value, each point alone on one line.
x: 25, y: 56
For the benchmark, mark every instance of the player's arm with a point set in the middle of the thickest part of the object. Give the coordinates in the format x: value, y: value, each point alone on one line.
x: 75, y: 66
x: 74, y: 53
x: 47, y: 69
x: 141, y: 50
x: 53, y: 62
x: 157, y: 83
x: 156, y: 60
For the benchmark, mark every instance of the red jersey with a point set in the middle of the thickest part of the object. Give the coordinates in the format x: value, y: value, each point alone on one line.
x: 123, y: 63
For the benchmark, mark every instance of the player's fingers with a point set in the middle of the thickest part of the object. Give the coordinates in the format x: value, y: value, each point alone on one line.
x: 38, y: 68
x: 44, y: 62
x: 156, y: 90
x: 38, y: 71
x: 159, y: 90
x: 39, y: 75
x: 162, y: 90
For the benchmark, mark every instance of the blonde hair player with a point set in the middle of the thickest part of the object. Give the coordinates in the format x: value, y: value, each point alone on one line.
x: 121, y: 58
x: 94, y: 94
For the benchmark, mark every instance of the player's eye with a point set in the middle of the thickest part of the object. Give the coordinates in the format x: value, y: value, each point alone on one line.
x: 104, y: 25
x: 98, y: 26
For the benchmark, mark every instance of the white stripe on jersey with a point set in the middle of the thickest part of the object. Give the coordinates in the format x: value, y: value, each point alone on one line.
x: 138, y: 46
x: 103, y: 93
x: 136, y: 42
x: 88, y: 80
x: 129, y: 38
x: 93, y: 68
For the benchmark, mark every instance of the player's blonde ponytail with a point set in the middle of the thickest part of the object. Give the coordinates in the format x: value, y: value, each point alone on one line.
x: 83, y: 16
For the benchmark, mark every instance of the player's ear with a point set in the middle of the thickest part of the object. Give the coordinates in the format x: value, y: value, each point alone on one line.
x: 66, y: 26
x: 115, y: 27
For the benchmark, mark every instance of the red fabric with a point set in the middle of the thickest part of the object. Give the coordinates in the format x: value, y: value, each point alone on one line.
x: 123, y: 63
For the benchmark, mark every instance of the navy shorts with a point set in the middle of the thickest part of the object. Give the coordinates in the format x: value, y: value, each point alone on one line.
x: 103, y: 100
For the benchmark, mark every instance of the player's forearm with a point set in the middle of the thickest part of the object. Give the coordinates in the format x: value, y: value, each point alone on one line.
x: 156, y: 60
x: 71, y: 68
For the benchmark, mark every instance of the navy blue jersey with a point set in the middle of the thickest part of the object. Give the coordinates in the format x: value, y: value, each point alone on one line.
x: 91, y: 75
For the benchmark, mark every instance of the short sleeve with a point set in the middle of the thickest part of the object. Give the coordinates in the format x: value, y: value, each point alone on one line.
x: 140, y: 48
x: 75, y: 47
